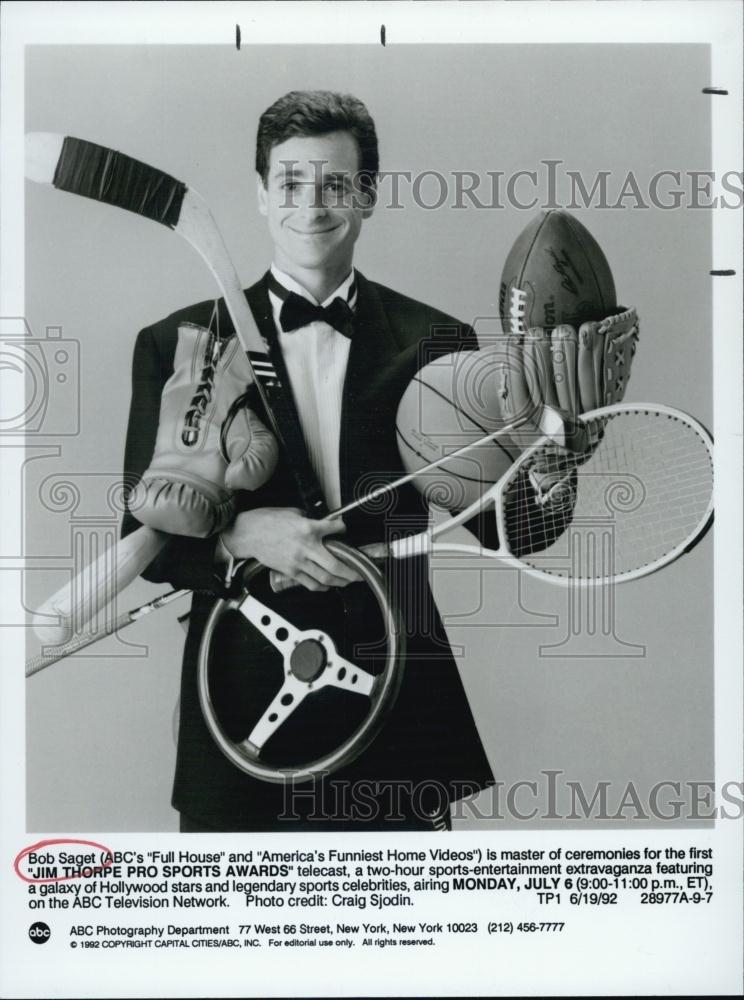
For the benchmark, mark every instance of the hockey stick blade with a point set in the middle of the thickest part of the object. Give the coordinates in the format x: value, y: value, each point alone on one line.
x: 105, y: 175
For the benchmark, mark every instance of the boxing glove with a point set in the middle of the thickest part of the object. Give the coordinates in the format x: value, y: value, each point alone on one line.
x: 208, y: 443
x: 248, y: 448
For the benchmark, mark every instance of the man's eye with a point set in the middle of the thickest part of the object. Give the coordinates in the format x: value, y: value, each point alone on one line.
x: 289, y: 186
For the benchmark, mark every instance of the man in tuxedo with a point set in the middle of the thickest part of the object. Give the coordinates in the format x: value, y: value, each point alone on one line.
x: 349, y: 347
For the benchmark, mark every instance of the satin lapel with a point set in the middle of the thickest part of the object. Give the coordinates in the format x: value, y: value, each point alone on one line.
x: 307, y: 487
x: 373, y: 346
x: 258, y: 300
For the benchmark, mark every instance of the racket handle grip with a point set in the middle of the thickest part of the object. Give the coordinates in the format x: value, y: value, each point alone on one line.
x: 412, y: 545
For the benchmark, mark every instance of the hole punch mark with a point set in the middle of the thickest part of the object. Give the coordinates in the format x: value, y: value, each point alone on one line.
x: 382, y: 35
x: 728, y: 273
x: 717, y: 91
x: 237, y: 37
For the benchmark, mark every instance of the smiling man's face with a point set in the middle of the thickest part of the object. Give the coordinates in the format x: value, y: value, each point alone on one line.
x: 313, y: 204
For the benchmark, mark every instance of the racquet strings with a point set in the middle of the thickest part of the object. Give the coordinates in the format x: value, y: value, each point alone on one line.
x: 644, y: 492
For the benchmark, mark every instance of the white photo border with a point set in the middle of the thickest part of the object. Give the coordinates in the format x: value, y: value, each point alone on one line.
x: 717, y: 23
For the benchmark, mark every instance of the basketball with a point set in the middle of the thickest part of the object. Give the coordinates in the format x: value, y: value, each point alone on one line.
x: 450, y: 403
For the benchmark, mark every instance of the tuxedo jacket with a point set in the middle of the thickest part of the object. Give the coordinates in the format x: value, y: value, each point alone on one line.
x: 429, y: 743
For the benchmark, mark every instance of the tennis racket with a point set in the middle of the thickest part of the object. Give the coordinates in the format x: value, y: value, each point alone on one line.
x: 638, y: 497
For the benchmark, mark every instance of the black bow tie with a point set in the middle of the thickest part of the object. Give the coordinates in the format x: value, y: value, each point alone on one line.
x: 297, y: 311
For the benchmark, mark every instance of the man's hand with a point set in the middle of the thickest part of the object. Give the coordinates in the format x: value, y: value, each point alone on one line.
x: 282, y: 538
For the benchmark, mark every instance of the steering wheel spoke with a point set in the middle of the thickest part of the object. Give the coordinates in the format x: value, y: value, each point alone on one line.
x: 343, y: 674
x: 286, y: 700
x: 248, y: 749
x: 281, y: 633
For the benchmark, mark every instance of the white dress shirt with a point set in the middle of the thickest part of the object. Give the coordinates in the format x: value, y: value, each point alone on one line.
x: 316, y: 356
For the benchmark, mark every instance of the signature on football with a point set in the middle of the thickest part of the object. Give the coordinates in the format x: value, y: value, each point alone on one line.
x: 564, y: 266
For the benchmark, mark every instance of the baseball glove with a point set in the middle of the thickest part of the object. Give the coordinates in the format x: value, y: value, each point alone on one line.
x: 571, y: 371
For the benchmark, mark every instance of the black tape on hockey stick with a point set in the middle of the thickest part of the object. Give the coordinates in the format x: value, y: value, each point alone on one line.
x: 96, y: 172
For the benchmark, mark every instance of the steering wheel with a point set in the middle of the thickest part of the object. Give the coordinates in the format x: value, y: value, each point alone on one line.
x: 310, y: 663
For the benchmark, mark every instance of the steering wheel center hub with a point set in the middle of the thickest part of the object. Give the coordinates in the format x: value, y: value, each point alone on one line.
x: 308, y: 660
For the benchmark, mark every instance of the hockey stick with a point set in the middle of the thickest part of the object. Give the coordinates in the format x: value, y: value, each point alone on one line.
x: 92, y: 171
x: 104, y: 175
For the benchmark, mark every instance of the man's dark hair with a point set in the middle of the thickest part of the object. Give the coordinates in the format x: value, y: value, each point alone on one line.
x: 317, y: 112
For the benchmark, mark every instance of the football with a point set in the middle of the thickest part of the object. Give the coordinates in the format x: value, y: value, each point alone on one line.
x: 555, y: 273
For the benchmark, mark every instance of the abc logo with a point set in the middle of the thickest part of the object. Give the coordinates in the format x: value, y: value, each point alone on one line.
x: 39, y: 932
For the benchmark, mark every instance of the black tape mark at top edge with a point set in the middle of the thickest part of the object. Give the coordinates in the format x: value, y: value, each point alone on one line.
x: 237, y: 37
x: 730, y: 272
x: 102, y: 174
x: 382, y: 35
x: 715, y: 90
